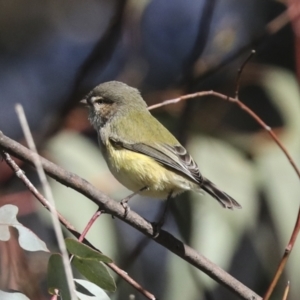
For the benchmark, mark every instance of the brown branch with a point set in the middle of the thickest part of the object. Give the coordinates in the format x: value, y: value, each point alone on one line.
x: 296, y: 229
x: 112, y: 207
x: 243, y: 107
x: 95, y: 216
x: 81, y: 237
x: 284, y: 259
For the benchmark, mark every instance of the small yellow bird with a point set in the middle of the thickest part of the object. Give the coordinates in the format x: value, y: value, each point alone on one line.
x: 140, y: 152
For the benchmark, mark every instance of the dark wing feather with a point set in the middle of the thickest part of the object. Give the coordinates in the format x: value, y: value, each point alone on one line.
x: 186, y: 161
x: 175, y: 157
x: 224, y: 199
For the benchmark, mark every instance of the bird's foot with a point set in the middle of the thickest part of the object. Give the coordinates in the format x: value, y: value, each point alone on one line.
x: 125, y: 205
x: 156, y: 228
x: 124, y: 202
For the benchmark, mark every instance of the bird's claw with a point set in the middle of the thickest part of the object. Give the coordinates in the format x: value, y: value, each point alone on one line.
x: 156, y: 229
x: 126, y: 207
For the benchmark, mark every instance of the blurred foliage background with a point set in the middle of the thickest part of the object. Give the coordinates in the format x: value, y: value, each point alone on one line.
x: 53, y: 52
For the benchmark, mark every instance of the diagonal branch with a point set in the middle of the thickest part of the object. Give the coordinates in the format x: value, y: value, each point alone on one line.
x: 110, y: 206
x: 19, y: 173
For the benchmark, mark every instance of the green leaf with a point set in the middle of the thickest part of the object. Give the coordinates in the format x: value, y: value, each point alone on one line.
x: 98, y: 293
x: 83, y: 251
x: 95, y: 272
x: 12, y: 296
x: 27, y: 239
x: 56, y: 277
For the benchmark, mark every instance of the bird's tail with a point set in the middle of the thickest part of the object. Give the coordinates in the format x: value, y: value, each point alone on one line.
x: 225, y: 200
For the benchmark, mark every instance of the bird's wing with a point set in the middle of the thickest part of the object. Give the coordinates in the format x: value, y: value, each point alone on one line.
x: 176, y: 157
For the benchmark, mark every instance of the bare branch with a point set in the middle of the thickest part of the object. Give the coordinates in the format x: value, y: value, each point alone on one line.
x: 95, y: 216
x: 20, y: 174
x: 239, y: 74
x: 112, y: 207
x: 269, y: 130
x: 243, y: 107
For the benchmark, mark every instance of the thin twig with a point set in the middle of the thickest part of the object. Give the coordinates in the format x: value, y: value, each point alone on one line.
x: 239, y: 74
x: 284, y: 259
x: 181, y: 98
x: 49, y: 196
x: 114, y: 208
x: 82, y: 236
x: 286, y: 291
x: 296, y: 229
x: 294, y: 14
x: 93, y: 219
x: 243, y: 107
x: 20, y: 174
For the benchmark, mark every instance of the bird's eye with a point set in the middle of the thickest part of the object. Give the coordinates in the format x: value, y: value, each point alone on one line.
x: 98, y: 100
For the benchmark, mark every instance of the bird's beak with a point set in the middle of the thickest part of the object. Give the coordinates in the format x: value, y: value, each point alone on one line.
x: 84, y: 102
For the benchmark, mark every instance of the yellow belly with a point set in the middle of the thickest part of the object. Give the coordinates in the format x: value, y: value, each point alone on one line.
x: 136, y: 171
